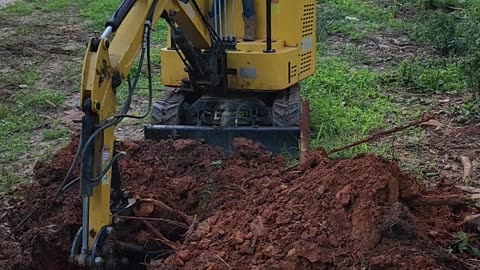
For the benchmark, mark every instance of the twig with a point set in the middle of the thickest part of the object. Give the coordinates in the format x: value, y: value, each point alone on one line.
x: 160, y: 204
x: 235, y: 186
x: 25, y: 219
x: 253, y: 246
x: 161, y: 238
x: 381, y: 135
x: 450, y: 200
x: 222, y: 260
x: 190, y: 231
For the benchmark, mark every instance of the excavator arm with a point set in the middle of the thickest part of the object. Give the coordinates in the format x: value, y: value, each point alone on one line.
x: 108, y: 61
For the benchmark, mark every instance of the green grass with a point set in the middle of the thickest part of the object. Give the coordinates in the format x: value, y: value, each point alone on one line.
x: 430, y: 76
x: 19, y: 119
x: 346, y: 104
x: 54, y: 134
x: 26, y: 7
x: 355, y: 18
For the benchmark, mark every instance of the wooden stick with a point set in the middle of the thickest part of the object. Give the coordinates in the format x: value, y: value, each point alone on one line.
x: 161, y: 238
x: 159, y: 204
x: 222, y: 260
x: 304, y: 129
x: 449, y: 200
x: 381, y: 135
x: 190, y: 231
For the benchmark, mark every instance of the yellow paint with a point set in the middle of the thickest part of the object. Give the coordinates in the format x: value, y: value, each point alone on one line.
x: 97, y: 84
x: 294, y: 35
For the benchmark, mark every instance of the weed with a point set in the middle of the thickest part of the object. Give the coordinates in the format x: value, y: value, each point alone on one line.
x: 206, y: 195
x: 8, y: 180
x: 431, y: 76
x: 470, y: 111
x: 42, y: 100
x: 463, y: 245
x: 217, y: 164
x: 346, y: 104
x: 355, y: 18
x: 439, y: 4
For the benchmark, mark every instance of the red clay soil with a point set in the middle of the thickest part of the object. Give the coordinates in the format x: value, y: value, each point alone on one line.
x: 248, y: 210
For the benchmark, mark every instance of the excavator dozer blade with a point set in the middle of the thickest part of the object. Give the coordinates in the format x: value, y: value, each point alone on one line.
x: 278, y: 140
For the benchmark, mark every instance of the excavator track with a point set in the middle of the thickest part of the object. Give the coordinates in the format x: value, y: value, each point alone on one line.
x: 274, y: 119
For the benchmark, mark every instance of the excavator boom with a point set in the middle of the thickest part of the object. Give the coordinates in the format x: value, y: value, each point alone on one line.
x: 218, y: 87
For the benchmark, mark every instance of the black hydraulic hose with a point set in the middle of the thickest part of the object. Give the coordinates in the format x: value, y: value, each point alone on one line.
x: 212, y: 31
x: 119, y: 15
x: 69, y: 185
x: 70, y: 170
x: 149, y: 76
x: 107, y: 167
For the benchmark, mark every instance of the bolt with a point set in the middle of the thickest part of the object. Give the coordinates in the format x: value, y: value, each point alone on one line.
x: 109, y: 230
x: 126, y: 194
x: 99, y: 261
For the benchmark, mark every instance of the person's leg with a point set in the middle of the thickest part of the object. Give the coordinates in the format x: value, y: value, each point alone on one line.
x: 248, y: 9
x: 249, y: 20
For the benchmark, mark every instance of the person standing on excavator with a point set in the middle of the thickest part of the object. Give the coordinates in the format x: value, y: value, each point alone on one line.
x: 248, y: 18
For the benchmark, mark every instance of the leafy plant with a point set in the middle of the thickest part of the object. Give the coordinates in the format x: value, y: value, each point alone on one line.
x: 463, y: 245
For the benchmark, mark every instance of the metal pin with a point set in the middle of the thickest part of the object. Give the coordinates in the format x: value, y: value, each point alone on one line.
x: 233, y: 19
x: 215, y: 14
x: 225, y: 15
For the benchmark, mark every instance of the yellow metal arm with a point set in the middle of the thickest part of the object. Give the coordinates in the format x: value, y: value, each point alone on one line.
x: 106, y: 65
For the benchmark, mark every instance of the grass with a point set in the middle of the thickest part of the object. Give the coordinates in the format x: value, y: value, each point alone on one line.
x: 346, y: 104
x: 355, y: 18
x: 54, y: 134
x: 430, y: 76
x: 19, y: 119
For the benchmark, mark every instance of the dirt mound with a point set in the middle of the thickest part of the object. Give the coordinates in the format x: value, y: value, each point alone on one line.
x: 326, y: 214
x: 247, y: 209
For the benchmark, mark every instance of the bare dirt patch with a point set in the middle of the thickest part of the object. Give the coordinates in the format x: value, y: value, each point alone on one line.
x: 439, y: 146
x: 380, y: 51
x: 4, y: 3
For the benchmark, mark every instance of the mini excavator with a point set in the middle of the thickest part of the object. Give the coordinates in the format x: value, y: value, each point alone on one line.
x: 217, y: 87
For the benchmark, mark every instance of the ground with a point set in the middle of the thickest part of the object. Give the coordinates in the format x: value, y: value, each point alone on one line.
x: 374, y: 72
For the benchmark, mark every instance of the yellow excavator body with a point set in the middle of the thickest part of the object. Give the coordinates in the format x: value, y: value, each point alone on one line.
x: 293, y: 40
x: 218, y: 87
